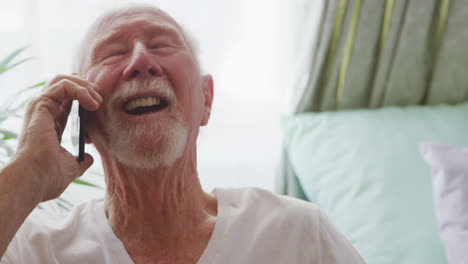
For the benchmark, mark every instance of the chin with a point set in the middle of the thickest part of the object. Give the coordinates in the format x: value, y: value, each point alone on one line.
x: 148, y: 146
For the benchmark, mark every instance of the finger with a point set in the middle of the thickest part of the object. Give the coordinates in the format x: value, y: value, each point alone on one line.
x: 64, y: 112
x: 85, y: 164
x: 93, y: 88
x: 68, y: 90
x: 30, y: 109
x: 76, y: 168
x: 58, y: 131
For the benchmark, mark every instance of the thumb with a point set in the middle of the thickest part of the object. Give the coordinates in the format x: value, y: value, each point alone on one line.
x: 85, y: 164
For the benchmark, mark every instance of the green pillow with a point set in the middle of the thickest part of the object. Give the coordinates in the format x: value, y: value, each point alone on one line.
x: 363, y: 168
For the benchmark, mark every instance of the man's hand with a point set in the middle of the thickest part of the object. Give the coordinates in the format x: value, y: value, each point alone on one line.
x: 52, y: 167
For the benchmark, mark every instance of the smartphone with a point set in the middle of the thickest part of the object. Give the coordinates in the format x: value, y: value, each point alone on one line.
x: 78, y: 131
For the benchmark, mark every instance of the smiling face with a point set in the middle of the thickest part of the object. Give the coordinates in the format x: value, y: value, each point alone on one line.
x: 155, y: 98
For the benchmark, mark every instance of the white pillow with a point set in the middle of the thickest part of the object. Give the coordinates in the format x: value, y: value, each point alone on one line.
x: 449, y: 168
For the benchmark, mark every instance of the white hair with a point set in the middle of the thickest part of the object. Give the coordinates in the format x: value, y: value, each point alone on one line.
x: 80, y: 56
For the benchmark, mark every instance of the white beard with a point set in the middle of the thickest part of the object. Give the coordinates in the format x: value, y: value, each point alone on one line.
x: 147, y: 145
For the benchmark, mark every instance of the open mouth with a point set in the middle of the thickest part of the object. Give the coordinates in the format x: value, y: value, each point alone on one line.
x: 144, y: 105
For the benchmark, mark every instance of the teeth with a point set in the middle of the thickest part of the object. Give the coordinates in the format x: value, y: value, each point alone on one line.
x: 142, y: 101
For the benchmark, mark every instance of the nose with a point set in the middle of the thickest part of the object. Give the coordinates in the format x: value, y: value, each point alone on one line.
x: 142, y: 64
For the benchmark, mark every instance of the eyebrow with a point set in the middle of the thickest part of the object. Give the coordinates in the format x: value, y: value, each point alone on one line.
x: 149, y: 28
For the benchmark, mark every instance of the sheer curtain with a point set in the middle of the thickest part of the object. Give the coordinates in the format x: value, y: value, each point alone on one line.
x: 243, y: 45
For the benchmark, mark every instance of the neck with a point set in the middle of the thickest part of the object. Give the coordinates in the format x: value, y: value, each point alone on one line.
x: 159, y: 210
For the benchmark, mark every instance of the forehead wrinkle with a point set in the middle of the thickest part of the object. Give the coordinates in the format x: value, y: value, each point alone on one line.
x: 99, y: 41
x: 151, y: 28
x: 155, y: 19
x: 144, y: 13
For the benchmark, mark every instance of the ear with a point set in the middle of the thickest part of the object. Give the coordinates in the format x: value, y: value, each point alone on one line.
x: 208, y: 98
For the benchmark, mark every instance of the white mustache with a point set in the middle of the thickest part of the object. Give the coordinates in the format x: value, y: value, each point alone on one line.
x: 160, y: 86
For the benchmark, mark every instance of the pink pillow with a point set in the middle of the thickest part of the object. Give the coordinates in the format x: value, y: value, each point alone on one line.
x: 449, y: 168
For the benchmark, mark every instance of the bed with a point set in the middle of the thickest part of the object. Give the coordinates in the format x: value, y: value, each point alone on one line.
x: 382, y: 77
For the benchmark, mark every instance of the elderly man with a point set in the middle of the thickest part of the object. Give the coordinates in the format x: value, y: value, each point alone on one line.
x: 139, y: 77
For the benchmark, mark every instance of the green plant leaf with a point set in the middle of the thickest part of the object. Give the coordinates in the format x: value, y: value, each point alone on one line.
x: 13, y: 107
x: 65, y: 201
x: 64, y: 204
x: 78, y: 181
x: 7, y: 148
x: 21, y: 106
x: 36, y: 85
x: 94, y: 172
x: 4, y: 69
x: 5, y: 114
x: 4, y: 62
x: 5, y: 106
x: 7, y: 134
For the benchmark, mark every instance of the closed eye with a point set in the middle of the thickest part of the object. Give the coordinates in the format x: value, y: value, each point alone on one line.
x: 159, y: 46
x: 114, y: 54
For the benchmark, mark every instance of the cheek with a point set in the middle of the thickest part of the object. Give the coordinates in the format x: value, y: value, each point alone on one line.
x: 105, y: 77
x: 185, y: 76
x: 191, y: 104
x: 182, y: 70
x: 93, y: 128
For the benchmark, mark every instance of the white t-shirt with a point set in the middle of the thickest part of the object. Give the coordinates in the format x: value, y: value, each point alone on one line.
x: 253, y: 226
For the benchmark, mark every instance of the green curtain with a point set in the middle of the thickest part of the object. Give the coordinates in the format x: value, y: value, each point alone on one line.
x: 376, y: 53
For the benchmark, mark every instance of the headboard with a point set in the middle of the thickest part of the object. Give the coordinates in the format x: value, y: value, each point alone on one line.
x: 372, y: 54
